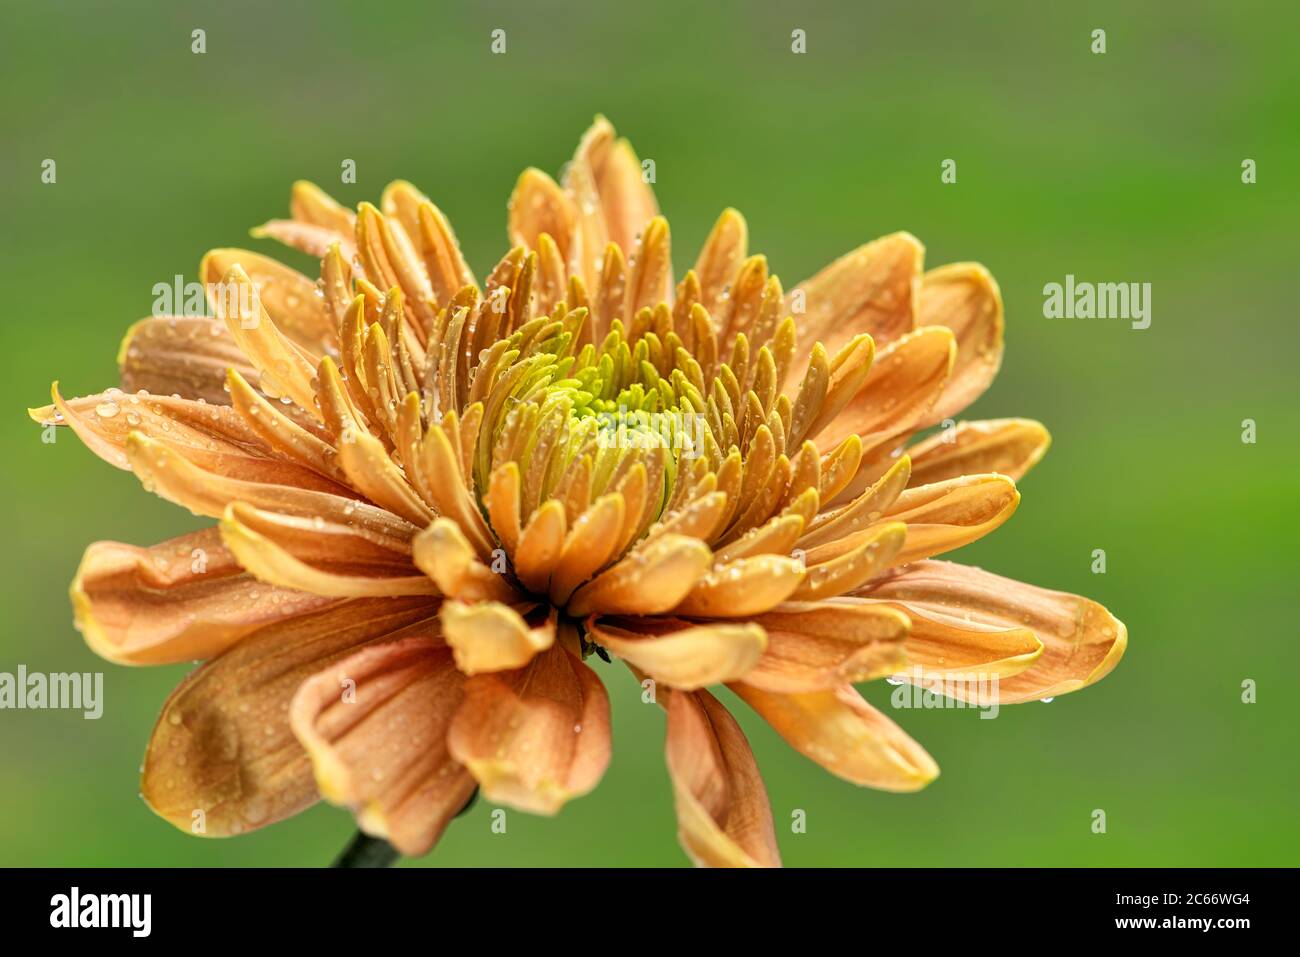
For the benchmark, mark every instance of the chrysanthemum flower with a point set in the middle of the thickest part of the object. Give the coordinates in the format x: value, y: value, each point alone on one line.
x: 436, y: 500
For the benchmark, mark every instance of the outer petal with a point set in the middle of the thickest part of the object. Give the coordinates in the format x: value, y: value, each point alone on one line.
x: 182, y: 355
x: 723, y: 815
x: 213, y: 437
x: 536, y: 737
x: 1009, y: 446
x: 182, y: 599
x: 872, y: 289
x: 966, y: 299
x: 1082, y: 641
x: 223, y: 745
x: 177, y: 479
x: 381, y: 749
x: 845, y: 735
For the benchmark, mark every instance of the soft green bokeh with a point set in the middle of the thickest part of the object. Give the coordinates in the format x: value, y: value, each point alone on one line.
x: 1119, y: 167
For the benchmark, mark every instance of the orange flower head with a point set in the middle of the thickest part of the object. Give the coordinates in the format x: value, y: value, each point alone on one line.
x: 436, y: 499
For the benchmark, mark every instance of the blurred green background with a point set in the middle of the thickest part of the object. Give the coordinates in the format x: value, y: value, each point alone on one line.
x: 1116, y: 167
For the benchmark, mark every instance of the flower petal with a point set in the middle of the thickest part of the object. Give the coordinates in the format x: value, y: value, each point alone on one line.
x: 175, y: 478
x: 223, y: 746
x: 966, y: 299
x: 723, y: 815
x: 489, y: 636
x: 953, y: 513
x: 901, y: 389
x: 816, y: 646
x: 872, y: 289
x: 1082, y: 641
x: 289, y: 297
x: 747, y: 586
x: 375, y: 727
x: 214, y: 438
x: 180, y: 600
x: 537, y: 737
x: 679, y: 653
x: 1009, y: 446
x: 650, y: 581
x: 444, y: 554
x: 181, y: 355
x: 251, y: 537
x: 845, y: 735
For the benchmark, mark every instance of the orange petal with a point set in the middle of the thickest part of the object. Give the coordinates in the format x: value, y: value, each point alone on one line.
x: 846, y: 736
x: 1008, y: 446
x: 723, y: 815
x: 720, y: 259
x: 290, y: 297
x: 966, y: 299
x: 816, y: 646
x: 650, y: 581
x: 1082, y: 641
x: 490, y: 636
x: 444, y: 554
x: 950, y: 514
x: 375, y: 727
x: 180, y: 600
x: 678, y: 653
x: 244, y: 531
x: 537, y: 737
x: 285, y: 369
x: 747, y: 586
x: 538, y: 205
x: 873, y: 289
x: 901, y: 389
x: 223, y: 746
x: 843, y: 565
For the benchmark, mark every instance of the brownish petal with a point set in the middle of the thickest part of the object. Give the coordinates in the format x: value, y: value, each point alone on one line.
x: 223, y: 745
x: 720, y: 259
x: 214, y: 438
x: 1082, y: 641
x: 723, y: 815
x: 966, y: 299
x: 375, y: 727
x: 747, y: 586
x: 173, y: 477
x: 845, y: 735
x: 181, y: 355
x: 1008, y: 446
x: 179, y: 600
x: 537, y: 737
x: 444, y: 554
